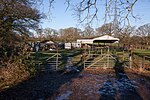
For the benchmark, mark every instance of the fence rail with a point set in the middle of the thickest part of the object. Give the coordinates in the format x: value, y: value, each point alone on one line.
x: 141, y: 62
x: 101, y: 60
x: 47, y: 61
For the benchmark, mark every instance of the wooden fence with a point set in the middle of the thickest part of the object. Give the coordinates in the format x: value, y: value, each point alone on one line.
x: 141, y: 62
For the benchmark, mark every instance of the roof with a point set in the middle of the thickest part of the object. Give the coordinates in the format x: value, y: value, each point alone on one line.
x: 85, y: 41
x: 49, y: 42
x: 105, y: 39
x: 102, y: 39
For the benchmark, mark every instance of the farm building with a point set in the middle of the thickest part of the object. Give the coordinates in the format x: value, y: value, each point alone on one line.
x: 105, y: 39
x: 87, y: 43
x: 102, y: 39
x: 71, y: 45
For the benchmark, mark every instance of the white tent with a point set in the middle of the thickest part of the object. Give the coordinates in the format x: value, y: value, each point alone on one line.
x: 85, y: 41
x: 102, y: 39
x: 49, y: 42
x: 105, y: 39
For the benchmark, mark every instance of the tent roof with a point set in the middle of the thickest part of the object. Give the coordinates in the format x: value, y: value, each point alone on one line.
x: 85, y: 41
x: 49, y: 42
x: 105, y: 39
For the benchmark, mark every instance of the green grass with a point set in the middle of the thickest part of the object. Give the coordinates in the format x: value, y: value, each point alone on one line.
x: 142, y: 52
x: 41, y: 57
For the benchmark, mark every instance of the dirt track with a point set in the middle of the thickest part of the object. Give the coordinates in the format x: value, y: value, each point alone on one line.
x: 104, y: 85
x: 90, y: 84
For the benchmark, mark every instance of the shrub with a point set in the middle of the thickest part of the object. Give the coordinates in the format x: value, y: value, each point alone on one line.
x: 12, y: 73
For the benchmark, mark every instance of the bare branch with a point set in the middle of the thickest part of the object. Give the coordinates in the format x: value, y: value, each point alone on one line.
x: 87, y: 10
x: 51, y: 3
x: 68, y: 4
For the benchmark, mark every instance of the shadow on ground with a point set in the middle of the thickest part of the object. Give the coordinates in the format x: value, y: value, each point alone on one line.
x: 120, y: 89
x: 40, y: 87
x: 114, y: 84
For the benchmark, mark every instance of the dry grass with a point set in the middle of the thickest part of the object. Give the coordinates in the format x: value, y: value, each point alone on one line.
x: 139, y: 71
x: 12, y: 73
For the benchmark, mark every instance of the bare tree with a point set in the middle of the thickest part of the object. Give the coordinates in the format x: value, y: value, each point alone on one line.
x: 126, y: 36
x: 104, y: 29
x: 87, y: 10
x: 51, y: 34
x: 69, y: 34
x: 88, y: 32
x: 144, y: 32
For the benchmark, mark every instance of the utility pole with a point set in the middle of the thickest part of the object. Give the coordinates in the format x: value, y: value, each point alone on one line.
x: 115, y: 21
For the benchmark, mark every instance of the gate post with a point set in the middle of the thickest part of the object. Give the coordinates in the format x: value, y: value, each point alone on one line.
x: 143, y: 62
x: 108, y: 57
x: 130, y: 59
x: 101, y: 51
x: 84, y: 64
x: 57, y: 61
x: 57, y: 58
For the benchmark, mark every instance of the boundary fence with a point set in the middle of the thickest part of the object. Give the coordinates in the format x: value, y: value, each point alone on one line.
x: 141, y: 62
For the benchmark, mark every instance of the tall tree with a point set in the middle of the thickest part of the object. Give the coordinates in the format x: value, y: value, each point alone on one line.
x: 144, y: 32
x: 104, y: 29
x: 51, y: 34
x: 69, y: 34
x: 17, y: 18
x: 88, y: 32
x: 126, y: 36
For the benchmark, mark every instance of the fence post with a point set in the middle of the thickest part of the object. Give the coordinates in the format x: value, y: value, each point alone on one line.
x: 108, y: 58
x: 101, y: 51
x: 56, y: 61
x: 130, y: 59
x: 84, y: 64
x: 143, y: 62
x: 57, y: 58
x: 123, y: 55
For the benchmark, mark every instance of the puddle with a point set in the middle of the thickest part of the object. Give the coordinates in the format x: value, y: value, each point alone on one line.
x: 69, y: 68
x: 107, y: 89
x: 64, y: 96
x: 69, y: 62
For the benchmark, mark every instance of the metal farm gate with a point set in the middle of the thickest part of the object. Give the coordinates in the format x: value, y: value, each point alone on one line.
x: 99, y: 58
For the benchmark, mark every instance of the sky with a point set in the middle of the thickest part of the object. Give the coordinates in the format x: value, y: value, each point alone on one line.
x: 59, y: 18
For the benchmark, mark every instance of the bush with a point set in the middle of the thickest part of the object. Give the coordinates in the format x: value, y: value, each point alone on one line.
x: 12, y: 73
